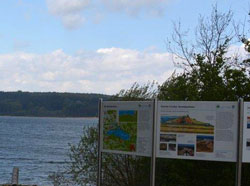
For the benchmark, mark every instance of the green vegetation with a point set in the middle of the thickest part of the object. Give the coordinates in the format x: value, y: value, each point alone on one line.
x: 49, y: 104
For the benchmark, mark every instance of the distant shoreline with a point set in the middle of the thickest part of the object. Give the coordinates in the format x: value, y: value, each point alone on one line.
x: 40, y: 104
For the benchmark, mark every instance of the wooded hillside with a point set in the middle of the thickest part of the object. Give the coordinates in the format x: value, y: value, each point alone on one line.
x: 49, y: 104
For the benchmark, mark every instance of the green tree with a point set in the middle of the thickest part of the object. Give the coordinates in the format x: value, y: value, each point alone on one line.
x: 137, y: 92
x: 209, y: 74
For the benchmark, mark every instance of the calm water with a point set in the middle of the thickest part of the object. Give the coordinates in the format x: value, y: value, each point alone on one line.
x: 38, y: 146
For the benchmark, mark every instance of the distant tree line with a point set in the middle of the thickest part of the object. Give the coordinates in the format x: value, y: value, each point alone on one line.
x: 50, y: 104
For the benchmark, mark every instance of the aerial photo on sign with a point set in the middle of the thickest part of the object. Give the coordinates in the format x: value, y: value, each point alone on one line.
x: 205, y: 143
x: 185, y: 124
x: 185, y: 149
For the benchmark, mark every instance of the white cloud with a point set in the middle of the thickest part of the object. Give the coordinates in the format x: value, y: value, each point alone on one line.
x: 72, y: 21
x: 107, y: 70
x: 62, y: 7
x: 69, y: 11
x: 238, y: 52
x: 103, y: 71
x: 72, y: 15
x: 153, y: 7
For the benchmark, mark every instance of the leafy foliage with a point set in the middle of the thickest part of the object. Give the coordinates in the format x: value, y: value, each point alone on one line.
x: 137, y: 92
x: 83, y: 156
x: 208, y: 73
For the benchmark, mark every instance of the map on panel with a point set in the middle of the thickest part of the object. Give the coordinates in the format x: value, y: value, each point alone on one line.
x: 120, y: 130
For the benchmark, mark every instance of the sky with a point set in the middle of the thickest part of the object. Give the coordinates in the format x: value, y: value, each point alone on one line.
x: 93, y: 46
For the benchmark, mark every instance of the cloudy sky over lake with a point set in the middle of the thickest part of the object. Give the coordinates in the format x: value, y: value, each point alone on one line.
x: 98, y: 46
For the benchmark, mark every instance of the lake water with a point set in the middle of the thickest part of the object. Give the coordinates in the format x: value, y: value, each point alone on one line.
x: 38, y: 146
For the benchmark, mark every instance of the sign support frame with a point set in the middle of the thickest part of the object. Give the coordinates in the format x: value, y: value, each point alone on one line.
x: 153, y: 157
x: 240, y: 142
x: 99, y: 144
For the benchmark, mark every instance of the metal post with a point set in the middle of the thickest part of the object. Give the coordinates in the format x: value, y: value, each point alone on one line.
x: 99, y: 144
x: 15, y: 175
x: 240, y: 143
x: 153, y: 158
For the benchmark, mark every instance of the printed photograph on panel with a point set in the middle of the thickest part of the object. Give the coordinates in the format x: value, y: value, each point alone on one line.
x: 168, y: 138
x: 248, y: 122
x: 171, y: 147
x: 204, y: 143
x: 185, y: 124
x: 121, y: 135
x: 163, y: 146
x: 185, y: 149
x: 248, y: 144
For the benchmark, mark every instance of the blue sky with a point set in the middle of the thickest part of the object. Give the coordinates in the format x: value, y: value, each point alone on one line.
x: 93, y: 45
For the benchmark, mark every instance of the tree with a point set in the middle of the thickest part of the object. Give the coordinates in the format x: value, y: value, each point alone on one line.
x: 82, y: 167
x: 137, y: 92
x: 208, y: 72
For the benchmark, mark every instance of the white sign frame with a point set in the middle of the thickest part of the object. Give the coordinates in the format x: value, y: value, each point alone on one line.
x: 188, y: 145
x: 144, y: 134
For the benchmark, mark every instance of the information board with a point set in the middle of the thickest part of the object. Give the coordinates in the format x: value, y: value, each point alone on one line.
x: 197, y: 130
x: 246, y: 133
x: 126, y: 127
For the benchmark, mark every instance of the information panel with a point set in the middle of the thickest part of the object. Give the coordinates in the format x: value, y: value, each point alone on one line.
x: 126, y: 127
x: 246, y: 133
x: 197, y: 130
